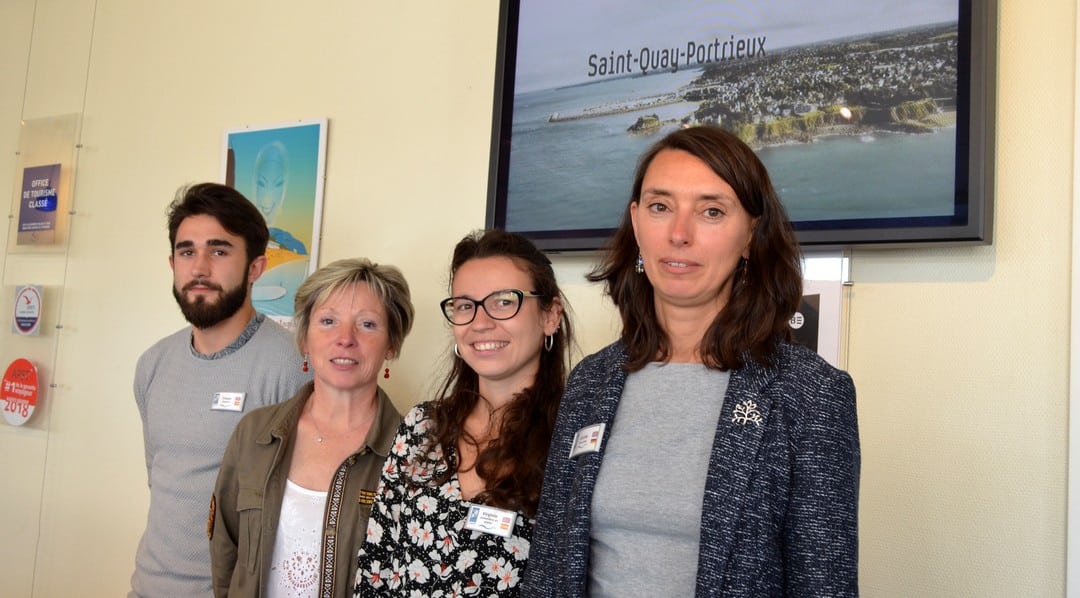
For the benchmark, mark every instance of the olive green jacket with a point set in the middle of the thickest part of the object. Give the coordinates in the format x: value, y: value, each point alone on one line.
x: 250, y: 486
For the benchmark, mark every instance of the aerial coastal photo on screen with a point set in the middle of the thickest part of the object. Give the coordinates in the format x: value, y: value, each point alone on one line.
x: 852, y: 106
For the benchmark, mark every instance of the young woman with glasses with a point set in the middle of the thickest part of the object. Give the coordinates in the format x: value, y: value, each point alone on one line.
x: 455, y: 507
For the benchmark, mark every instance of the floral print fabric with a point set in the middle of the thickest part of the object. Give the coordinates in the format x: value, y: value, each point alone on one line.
x: 417, y: 544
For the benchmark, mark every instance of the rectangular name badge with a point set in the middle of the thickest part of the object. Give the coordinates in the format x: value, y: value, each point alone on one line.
x: 490, y: 520
x: 587, y: 440
x: 228, y: 401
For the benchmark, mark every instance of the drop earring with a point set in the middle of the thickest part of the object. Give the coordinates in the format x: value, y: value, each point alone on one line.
x: 386, y: 373
x: 639, y: 266
x: 305, y: 366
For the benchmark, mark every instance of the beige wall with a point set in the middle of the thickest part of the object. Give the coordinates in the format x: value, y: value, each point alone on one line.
x: 960, y: 356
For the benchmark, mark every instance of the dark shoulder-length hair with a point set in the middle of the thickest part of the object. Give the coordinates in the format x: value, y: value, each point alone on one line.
x: 512, y: 463
x: 767, y: 286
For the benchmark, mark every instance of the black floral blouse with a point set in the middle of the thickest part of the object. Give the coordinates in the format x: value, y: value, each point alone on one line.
x: 417, y: 544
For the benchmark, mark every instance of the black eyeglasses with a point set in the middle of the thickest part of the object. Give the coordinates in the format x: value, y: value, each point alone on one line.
x: 500, y: 305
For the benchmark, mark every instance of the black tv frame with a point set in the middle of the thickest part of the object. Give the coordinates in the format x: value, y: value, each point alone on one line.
x: 972, y: 222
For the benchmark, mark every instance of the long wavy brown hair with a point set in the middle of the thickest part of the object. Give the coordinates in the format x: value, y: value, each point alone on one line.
x: 767, y: 286
x: 512, y: 462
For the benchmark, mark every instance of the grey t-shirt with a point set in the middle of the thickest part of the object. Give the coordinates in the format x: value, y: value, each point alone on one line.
x: 646, y: 509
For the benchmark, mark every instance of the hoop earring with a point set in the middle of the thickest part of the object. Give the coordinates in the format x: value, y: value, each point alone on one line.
x: 549, y: 342
x: 456, y: 352
x: 639, y: 266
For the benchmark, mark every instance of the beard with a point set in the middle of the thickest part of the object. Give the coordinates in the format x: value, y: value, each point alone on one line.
x: 201, y: 313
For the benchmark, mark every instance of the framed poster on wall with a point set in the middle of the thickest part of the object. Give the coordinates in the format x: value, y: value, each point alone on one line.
x: 37, y: 204
x: 281, y: 169
x: 43, y: 203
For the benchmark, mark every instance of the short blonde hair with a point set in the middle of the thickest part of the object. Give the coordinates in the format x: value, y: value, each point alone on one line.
x: 386, y: 282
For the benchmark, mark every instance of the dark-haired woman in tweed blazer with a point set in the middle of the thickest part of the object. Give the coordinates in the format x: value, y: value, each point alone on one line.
x: 702, y: 454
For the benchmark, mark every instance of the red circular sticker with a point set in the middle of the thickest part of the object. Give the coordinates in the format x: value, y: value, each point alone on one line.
x: 19, y: 391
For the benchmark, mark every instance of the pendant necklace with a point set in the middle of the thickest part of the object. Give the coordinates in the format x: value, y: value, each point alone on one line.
x: 320, y: 436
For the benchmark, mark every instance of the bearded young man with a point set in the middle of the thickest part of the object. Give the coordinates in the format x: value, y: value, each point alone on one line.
x: 193, y: 386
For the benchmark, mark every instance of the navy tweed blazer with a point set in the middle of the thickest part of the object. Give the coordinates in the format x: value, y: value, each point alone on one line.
x: 779, y: 516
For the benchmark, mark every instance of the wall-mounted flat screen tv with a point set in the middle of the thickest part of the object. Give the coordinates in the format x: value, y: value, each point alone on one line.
x: 875, y: 118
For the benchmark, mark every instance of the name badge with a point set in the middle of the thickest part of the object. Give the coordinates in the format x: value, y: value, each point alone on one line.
x: 228, y: 401
x: 587, y: 440
x: 490, y: 520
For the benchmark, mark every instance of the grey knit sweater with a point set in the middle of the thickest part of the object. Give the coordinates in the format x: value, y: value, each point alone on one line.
x: 184, y: 440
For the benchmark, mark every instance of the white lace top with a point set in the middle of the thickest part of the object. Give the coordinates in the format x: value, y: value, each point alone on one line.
x: 294, y: 567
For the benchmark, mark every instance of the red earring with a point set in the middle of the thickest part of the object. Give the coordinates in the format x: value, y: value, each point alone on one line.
x: 305, y: 368
x: 386, y: 373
